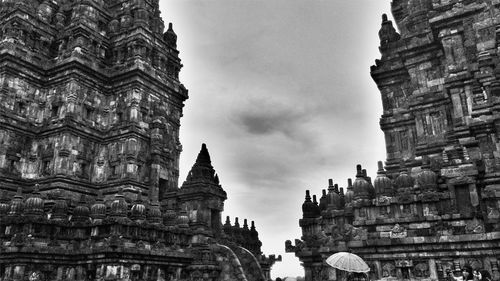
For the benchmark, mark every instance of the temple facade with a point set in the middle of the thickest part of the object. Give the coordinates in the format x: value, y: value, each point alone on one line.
x: 89, y: 153
x: 434, y: 205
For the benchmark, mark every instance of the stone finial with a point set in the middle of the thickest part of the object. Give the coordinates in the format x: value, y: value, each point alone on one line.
x: 16, y: 204
x: 81, y: 213
x: 34, y: 205
x: 323, y: 200
x: 202, y: 171
x: 359, y: 170
x: 245, y: 224
x: 170, y: 37
x: 308, y: 196
x: 203, y: 156
x: 387, y: 33
x: 361, y: 186
x: 382, y: 184
x: 309, y: 209
x: 380, y: 165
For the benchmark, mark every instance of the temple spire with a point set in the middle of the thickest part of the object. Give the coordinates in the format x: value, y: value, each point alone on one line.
x: 202, y: 170
x: 203, y: 157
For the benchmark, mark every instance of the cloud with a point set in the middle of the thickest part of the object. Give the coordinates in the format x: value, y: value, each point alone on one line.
x: 260, y: 117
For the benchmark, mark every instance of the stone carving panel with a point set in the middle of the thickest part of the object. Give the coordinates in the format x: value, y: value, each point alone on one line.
x: 388, y: 269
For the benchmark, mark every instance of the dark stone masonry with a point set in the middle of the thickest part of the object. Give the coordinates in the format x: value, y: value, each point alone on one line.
x: 435, y: 205
x: 89, y: 153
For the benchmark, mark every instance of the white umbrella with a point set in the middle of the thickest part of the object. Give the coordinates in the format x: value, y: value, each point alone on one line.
x: 348, y: 262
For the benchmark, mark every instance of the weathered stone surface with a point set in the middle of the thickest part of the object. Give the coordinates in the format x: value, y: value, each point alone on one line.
x: 89, y: 153
x: 436, y: 205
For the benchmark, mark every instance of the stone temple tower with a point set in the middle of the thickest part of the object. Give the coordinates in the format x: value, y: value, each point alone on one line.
x: 90, y: 98
x: 434, y: 206
x: 89, y: 152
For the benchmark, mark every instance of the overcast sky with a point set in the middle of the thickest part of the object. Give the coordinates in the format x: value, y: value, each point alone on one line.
x: 281, y: 93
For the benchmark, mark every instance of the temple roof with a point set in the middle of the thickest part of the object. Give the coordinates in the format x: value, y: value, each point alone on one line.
x: 202, y: 171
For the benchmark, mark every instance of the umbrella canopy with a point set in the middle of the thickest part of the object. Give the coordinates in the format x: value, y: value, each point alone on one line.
x: 347, y: 262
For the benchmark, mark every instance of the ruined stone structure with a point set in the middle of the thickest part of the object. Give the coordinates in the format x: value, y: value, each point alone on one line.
x: 435, y: 206
x: 89, y: 153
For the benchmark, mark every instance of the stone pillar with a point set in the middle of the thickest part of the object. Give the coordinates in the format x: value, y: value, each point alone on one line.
x: 378, y: 265
x: 494, y: 269
x: 433, y: 269
x: 73, y: 91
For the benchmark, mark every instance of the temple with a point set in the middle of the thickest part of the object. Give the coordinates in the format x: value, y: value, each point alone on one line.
x: 89, y: 155
x: 434, y: 205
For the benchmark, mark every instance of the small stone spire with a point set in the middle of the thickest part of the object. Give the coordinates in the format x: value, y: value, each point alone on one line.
x: 119, y: 206
x: 138, y: 210
x: 309, y: 208
x: 16, y: 205
x: 382, y: 184
x: 202, y: 170
x: 203, y: 156
x: 342, y: 197
x: 81, y: 213
x: 361, y: 186
x: 34, y: 204
x: 330, y: 184
x: 170, y: 37
x: 387, y: 33
x: 60, y: 210
x: 380, y: 170
x: 98, y: 209
x: 323, y: 201
x: 317, y: 210
x: 359, y: 171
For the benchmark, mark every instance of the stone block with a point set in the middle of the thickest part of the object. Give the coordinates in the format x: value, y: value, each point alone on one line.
x: 384, y: 227
x: 419, y: 225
